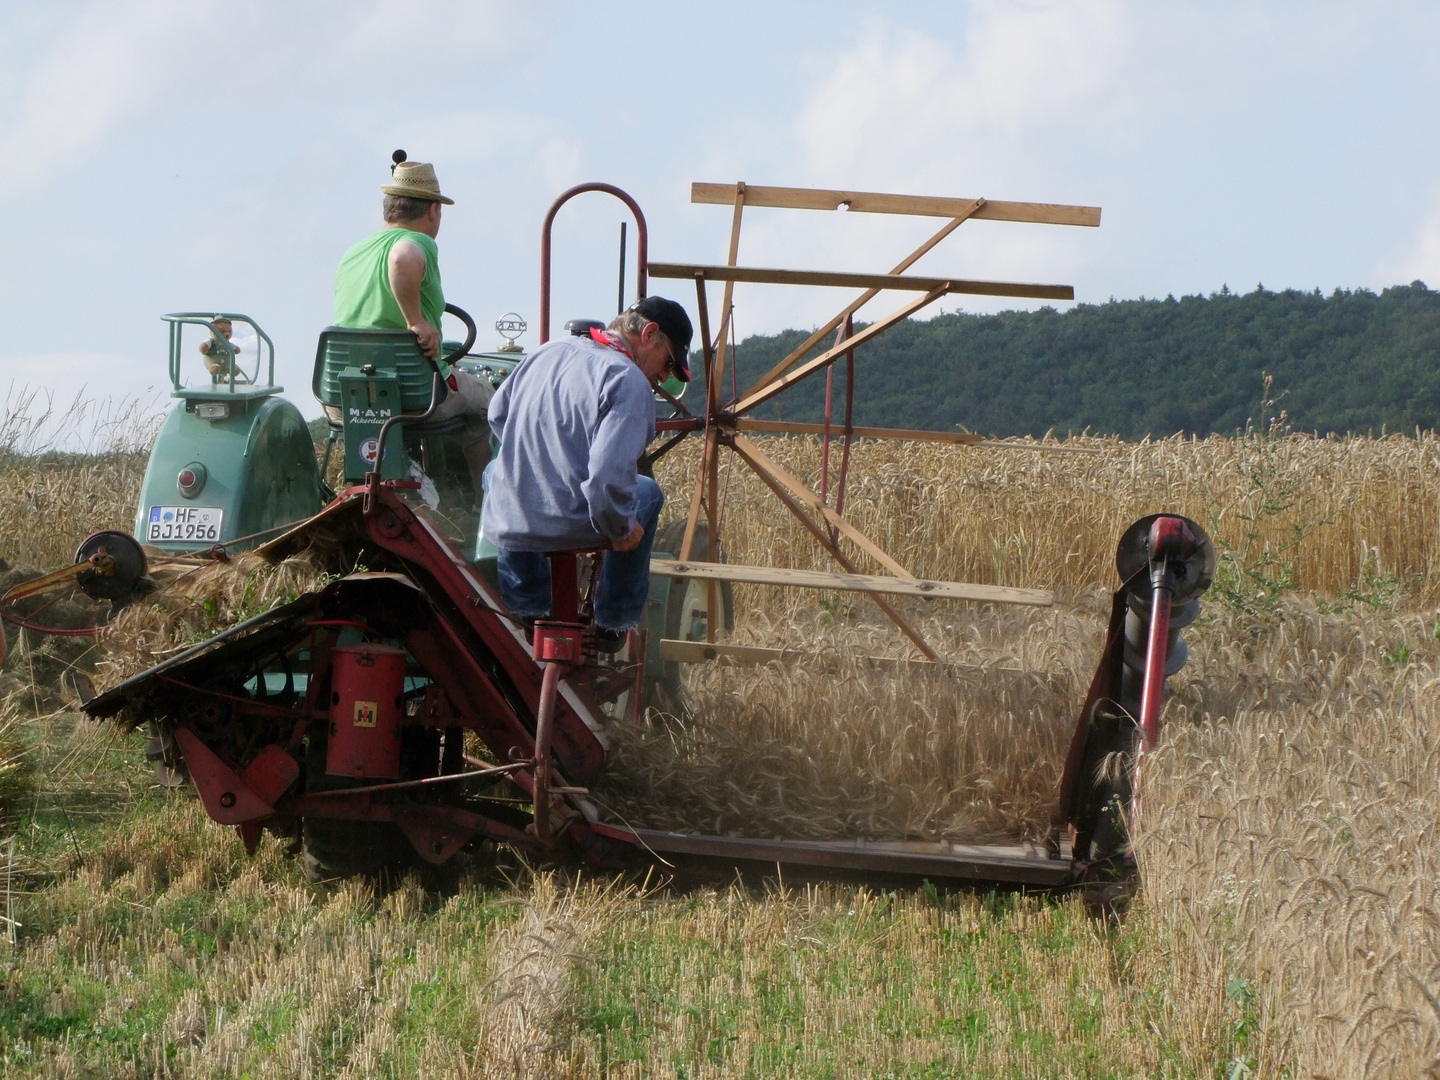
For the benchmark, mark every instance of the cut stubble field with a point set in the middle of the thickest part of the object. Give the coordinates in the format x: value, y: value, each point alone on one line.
x: 1284, y: 921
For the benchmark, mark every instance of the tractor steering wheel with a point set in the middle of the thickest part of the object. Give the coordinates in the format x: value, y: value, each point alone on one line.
x: 463, y: 316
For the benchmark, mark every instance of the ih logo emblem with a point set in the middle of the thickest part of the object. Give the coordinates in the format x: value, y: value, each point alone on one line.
x: 366, y: 713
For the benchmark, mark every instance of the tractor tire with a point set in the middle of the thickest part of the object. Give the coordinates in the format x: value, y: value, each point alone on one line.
x: 335, y: 848
x: 682, y: 623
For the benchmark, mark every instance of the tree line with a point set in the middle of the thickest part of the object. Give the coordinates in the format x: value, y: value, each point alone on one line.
x: 1352, y: 361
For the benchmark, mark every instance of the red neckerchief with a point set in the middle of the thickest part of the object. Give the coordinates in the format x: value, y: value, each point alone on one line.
x: 604, y: 337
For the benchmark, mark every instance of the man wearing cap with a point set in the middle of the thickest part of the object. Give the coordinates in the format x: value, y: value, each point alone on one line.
x: 391, y: 281
x: 573, y: 419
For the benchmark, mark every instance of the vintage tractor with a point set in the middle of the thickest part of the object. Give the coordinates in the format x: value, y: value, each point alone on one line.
x: 234, y: 463
x: 396, y: 713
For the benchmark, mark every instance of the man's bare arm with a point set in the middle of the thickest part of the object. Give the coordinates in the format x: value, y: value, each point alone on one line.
x: 406, y: 267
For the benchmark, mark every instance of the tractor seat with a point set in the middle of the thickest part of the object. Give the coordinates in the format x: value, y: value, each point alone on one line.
x: 570, y: 627
x: 565, y: 581
x: 391, y: 351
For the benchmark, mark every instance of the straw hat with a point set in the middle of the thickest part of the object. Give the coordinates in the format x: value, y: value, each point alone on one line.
x: 415, y: 180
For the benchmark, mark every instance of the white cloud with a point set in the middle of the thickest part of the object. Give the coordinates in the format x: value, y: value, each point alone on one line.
x: 902, y: 110
x: 903, y: 107
x: 1418, y: 257
x: 906, y: 106
x: 97, y: 78
x: 101, y: 70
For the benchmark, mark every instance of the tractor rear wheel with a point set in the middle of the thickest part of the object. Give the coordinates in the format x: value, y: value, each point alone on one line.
x: 352, y: 847
x: 687, y: 614
x: 338, y: 848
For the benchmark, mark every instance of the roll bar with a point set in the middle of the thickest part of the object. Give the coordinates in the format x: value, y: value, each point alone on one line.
x: 642, y: 246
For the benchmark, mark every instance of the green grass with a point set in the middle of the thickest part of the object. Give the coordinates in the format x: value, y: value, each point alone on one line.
x: 150, y: 945
x: 842, y: 981
x: 130, y: 900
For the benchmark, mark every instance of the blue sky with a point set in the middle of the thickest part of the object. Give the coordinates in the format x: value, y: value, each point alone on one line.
x: 158, y: 155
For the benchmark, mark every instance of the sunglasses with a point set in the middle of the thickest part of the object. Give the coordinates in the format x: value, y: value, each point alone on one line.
x: 673, y: 366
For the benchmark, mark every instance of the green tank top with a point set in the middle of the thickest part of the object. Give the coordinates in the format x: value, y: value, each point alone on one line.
x: 363, y: 300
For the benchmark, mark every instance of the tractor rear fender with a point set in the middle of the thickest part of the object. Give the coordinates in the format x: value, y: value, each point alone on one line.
x: 257, y: 468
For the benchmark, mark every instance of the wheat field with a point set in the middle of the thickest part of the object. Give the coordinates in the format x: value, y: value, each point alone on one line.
x: 1288, y: 829
x: 1285, y: 922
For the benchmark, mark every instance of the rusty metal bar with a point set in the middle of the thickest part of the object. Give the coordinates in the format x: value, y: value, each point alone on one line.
x: 839, y: 556
x: 849, y: 419
x: 825, y: 437
x: 865, y: 297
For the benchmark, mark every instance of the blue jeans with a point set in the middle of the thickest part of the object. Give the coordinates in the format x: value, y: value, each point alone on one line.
x: 624, y: 575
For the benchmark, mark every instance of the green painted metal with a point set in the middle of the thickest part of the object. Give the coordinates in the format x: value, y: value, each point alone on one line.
x: 260, y: 471
x: 366, y: 402
x: 395, y: 351
x: 492, y: 366
x: 247, y: 447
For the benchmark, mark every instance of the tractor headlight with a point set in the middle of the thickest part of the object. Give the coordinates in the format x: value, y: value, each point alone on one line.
x: 212, y: 410
x: 191, y: 480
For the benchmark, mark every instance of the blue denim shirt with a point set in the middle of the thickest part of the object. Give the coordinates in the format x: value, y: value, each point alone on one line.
x: 572, y: 420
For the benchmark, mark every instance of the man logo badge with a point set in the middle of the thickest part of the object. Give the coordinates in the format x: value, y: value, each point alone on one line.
x: 366, y: 713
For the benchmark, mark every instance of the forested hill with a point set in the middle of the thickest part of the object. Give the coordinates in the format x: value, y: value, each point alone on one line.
x: 1350, y: 361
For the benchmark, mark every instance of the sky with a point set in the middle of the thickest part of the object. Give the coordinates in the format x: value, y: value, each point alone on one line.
x: 167, y: 155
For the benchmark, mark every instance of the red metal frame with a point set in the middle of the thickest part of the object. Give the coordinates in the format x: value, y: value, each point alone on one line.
x: 529, y: 713
x: 1170, y: 540
x: 367, y: 709
x: 642, y: 246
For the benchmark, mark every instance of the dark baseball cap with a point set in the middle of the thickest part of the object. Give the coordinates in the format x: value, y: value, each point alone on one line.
x: 674, y: 324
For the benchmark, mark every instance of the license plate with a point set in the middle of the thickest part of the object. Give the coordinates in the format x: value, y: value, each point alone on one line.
x: 184, y: 523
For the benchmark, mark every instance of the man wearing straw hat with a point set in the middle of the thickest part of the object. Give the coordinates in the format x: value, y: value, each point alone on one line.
x: 391, y: 281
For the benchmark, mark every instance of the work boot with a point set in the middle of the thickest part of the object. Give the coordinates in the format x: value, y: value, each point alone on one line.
x: 609, y: 642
